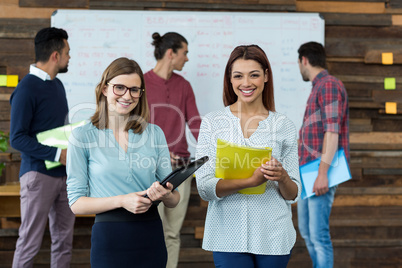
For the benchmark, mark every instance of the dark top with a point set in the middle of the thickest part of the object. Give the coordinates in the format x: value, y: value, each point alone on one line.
x: 36, y: 106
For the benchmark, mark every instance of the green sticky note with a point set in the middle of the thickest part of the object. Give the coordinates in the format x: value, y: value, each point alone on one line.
x: 3, y: 80
x: 389, y: 83
x: 12, y: 80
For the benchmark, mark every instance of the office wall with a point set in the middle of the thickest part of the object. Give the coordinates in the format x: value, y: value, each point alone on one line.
x: 366, y: 220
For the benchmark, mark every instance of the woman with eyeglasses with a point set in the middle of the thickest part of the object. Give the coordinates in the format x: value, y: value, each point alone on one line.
x: 249, y: 230
x: 112, y: 162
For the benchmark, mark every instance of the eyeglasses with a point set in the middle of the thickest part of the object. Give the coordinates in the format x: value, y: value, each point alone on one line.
x: 120, y: 90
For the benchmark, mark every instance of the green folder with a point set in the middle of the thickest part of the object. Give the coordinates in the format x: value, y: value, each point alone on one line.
x: 57, y: 137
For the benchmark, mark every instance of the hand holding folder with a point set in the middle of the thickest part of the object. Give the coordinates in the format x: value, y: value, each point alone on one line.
x: 338, y: 172
x: 57, y: 137
x: 239, y: 162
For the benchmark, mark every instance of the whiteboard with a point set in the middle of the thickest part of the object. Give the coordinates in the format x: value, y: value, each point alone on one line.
x: 97, y: 38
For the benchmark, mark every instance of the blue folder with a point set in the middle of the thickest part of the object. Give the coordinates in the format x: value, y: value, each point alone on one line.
x: 338, y: 172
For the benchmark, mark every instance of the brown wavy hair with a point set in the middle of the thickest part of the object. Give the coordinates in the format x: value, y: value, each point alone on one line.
x: 249, y: 52
x: 139, y: 116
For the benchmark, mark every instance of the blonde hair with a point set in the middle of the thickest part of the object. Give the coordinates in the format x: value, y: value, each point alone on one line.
x: 139, y: 116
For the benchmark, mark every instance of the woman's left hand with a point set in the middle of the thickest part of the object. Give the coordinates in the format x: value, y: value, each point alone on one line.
x: 158, y: 192
x: 274, y: 171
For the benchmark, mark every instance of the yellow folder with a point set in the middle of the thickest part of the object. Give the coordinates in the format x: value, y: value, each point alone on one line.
x: 235, y: 161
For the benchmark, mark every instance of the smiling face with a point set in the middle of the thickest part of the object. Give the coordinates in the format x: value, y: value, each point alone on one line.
x: 180, y: 57
x: 122, y: 105
x: 248, y: 78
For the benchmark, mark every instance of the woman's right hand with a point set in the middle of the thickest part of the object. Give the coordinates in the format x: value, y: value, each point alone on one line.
x: 257, y: 178
x: 136, y: 202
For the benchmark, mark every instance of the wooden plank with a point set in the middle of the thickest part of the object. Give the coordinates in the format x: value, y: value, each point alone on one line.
x: 340, y: 7
x: 370, y: 33
x: 358, y: 19
x: 382, y: 172
x: 362, y: 90
x: 54, y: 3
x: 374, y: 56
x: 22, y: 28
x: 357, y: 47
x: 387, y: 95
x: 365, y: 104
x: 363, y: 113
x: 369, y: 191
x: 10, y: 9
x: 388, y: 125
x: 376, y: 140
x: 238, y: 5
x: 367, y: 200
x: 5, y: 97
x: 5, y: 106
x: 394, y: 4
x: 4, y: 157
x: 362, y: 69
x: 360, y: 125
x: 230, y: 6
x: 378, y: 1
x: 10, y: 190
x: 375, y: 154
x: 382, y: 162
x: 397, y: 20
x: 10, y: 206
x: 365, y: 81
x: 4, y: 116
x: 5, y: 126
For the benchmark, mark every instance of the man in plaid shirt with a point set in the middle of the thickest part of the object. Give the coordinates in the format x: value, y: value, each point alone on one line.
x: 325, y: 129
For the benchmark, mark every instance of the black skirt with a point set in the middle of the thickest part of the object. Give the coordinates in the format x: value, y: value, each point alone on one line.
x: 123, y: 239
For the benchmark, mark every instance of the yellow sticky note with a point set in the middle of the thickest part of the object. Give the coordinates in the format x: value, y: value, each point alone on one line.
x: 3, y: 80
x: 389, y: 83
x: 390, y: 107
x: 12, y: 80
x: 387, y: 58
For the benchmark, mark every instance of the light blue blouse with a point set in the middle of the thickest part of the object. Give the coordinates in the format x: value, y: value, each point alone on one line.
x: 258, y: 224
x: 98, y: 167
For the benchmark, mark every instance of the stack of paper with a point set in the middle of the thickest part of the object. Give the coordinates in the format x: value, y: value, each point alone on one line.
x: 239, y: 162
x: 338, y: 172
x: 57, y: 137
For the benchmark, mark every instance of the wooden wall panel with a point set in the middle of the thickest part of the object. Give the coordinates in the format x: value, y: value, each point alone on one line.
x: 222, y: 5
x: 22, y: 28
x: 54, y: 3
x: 358, y: 19
x: 11, y: 9
x: 365, y: 220
x: 361, y: 69
x: 340, y: 7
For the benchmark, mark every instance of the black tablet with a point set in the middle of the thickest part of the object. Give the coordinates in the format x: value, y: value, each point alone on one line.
x: 179, y: 175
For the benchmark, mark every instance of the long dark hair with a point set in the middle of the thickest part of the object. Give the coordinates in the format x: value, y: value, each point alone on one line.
x: 249, y: 52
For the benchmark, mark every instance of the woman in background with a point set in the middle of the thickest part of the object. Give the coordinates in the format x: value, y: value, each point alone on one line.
x: 112, y: 162
x: 249, y: 230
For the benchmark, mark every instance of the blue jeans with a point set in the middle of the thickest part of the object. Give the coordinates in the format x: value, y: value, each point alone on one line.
x: 313, y: 221
x: 249, y: 260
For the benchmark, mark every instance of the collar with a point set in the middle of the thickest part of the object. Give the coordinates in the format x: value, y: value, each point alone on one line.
x: 319, y: 76
x: 38, y: 72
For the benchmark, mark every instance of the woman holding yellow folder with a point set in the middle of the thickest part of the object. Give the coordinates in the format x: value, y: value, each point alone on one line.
x: 249, y: 230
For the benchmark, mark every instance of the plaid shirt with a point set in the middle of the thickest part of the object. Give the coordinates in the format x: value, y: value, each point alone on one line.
x: 327, y: 110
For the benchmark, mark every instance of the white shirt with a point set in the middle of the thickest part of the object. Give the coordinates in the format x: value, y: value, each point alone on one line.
x: 258, y: 224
